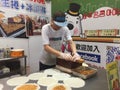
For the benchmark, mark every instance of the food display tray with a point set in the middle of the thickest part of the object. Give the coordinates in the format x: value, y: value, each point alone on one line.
x: 64, y: 69
x: 84, y: 72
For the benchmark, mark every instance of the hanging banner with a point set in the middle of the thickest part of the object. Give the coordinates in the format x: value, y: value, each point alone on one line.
x: 22, y: 18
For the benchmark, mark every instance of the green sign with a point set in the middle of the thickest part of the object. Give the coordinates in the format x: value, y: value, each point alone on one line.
x: 87, y: 6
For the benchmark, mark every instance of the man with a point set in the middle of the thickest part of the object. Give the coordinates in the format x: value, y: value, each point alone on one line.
x: 53, y: 35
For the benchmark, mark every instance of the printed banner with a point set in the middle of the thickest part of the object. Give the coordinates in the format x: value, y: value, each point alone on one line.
x: 22, y: 18
x: 98, y: 54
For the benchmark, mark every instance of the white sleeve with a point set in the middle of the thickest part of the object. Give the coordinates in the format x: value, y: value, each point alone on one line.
x: 45, y: 38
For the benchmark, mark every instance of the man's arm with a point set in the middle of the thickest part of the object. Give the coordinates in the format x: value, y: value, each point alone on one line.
x: 72, y: 46
x: 65, y: 56
x: 51, y: 50
x: 76, y: 57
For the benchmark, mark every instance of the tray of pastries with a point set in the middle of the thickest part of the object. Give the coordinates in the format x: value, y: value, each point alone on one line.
x: 84, y: 72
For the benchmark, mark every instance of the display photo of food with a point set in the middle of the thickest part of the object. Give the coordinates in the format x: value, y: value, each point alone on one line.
x: 12, y: 26
x: 34, y: 24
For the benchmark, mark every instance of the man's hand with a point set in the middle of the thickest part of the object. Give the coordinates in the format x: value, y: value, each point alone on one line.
x: 66, y: 56
x: 75, y: 57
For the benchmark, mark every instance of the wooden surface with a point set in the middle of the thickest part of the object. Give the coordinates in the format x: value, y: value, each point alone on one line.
x: 98, y: 39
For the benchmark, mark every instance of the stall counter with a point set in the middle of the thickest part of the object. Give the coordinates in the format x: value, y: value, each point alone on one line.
x: 97, y: 82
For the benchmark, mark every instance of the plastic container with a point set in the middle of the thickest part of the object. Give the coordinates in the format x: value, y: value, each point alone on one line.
x: 17, y: 52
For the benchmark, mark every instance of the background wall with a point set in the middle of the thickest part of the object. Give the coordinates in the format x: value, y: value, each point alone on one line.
x: 34, y: 52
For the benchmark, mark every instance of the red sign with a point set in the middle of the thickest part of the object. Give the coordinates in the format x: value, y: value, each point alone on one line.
x: 39, y: 1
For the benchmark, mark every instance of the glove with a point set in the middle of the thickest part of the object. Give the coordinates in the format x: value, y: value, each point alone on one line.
x: 66, y: 56
x: 76, y: 56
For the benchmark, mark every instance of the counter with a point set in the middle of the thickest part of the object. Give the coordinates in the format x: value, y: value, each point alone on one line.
x: 97, y: 82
